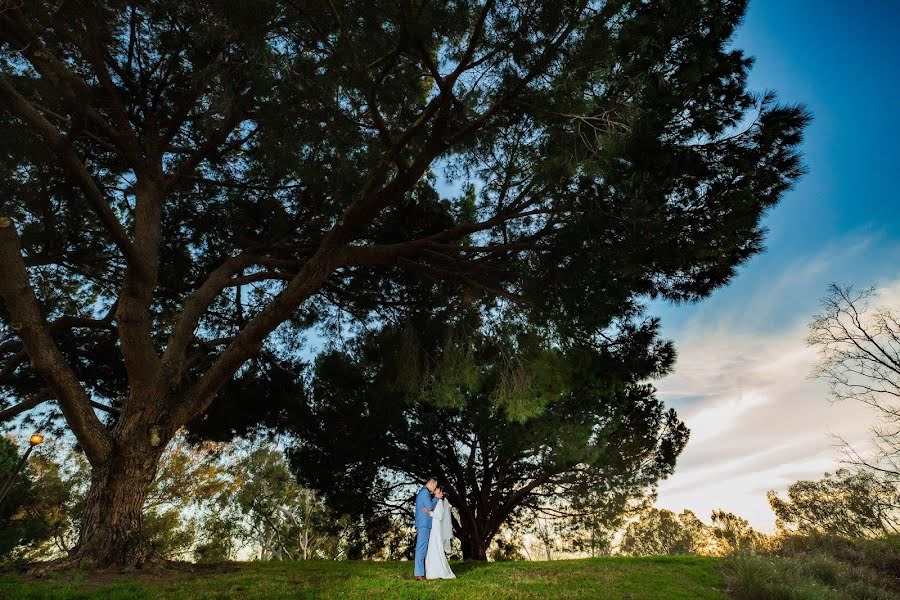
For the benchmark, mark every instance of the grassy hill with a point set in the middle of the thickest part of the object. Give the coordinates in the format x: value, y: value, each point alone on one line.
x: 671, y: 577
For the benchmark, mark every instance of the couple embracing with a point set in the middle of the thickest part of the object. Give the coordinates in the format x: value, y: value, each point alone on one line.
x: 434, y: 530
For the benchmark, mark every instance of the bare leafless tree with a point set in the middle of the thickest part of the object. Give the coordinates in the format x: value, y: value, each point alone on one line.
x: 859, y: 357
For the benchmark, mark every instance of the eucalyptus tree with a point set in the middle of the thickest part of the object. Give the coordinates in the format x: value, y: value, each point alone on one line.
x: 853, y: 504
x: 188, y: 186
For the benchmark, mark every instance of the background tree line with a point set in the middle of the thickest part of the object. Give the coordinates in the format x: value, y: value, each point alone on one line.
x: 219, y: 504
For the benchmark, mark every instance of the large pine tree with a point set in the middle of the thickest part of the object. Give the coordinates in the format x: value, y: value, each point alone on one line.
x: 187, y: 186
x: 512, y: 425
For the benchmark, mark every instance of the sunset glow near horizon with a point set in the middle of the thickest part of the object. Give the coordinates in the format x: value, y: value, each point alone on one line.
x: 741, y: 383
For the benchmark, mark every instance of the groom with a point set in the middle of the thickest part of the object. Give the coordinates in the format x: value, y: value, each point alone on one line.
x: 424, y: 505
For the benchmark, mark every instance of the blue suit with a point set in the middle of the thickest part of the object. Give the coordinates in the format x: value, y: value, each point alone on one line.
x: 423, y: 527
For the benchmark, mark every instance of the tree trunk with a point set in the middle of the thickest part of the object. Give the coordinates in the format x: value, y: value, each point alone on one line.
x: 110, y: 532
x: 473, y: 548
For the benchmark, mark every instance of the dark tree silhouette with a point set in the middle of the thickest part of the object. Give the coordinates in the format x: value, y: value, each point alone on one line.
x: 510, y: 425
x: 187, y: 186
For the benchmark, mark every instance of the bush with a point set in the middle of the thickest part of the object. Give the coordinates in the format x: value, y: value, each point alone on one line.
x: 21, y: 526
x: 882, y: 554
x: 817, y: 567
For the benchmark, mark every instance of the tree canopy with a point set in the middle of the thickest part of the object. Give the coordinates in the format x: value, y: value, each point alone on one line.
x: 188, y: 187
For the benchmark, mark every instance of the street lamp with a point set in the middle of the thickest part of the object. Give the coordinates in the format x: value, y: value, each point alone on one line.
x: 35, y: 439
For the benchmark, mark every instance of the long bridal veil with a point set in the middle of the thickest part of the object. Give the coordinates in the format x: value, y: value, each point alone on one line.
x: 447, y: 526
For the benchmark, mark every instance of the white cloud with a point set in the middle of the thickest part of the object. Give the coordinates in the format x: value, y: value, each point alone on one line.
x: 758, y: 422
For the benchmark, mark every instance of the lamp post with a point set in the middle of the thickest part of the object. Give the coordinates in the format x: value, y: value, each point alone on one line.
x: 35, y: 439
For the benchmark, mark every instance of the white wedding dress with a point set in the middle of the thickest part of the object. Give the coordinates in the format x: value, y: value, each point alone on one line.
x: 436, y: 565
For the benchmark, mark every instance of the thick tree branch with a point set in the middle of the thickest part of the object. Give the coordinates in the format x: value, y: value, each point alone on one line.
x: 37, y: 399
x: 248, y: 341
x: 15, y: 410
x: 63, y: 323
x: 48, y: 361
x: 135, y: 325
x: 173, y: 360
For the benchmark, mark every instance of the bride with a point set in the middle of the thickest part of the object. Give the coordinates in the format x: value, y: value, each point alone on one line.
x: 436, y: 565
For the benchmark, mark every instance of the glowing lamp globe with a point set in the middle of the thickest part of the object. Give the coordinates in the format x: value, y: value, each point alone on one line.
x: 35, y: 439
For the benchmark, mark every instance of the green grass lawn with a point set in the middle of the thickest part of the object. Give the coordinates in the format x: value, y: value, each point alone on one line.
x: 671, y: 577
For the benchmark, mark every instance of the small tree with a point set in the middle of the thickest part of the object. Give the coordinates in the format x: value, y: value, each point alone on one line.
x: 167, y: 535
x: 509, y: 546
x: 547, y: 534
x: 702, y: 539
x: 23, y: 525
x: 596, y: 516
x: 660, y: 531
x: 596, y: 541
x: 215, y: 538
x: 188, y: 479
x: 283, y: 520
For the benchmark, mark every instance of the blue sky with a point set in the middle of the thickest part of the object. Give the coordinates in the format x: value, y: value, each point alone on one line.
x: 843, y: 64
x: 741, y: 381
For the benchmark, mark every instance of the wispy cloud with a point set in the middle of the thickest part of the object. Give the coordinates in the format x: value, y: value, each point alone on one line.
x: 758, y: 421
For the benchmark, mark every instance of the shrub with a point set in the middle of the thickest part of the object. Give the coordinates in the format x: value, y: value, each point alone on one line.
x: 817, y: 567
